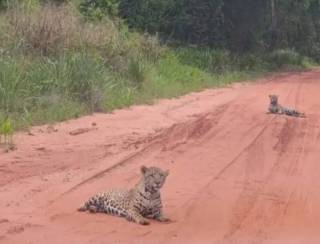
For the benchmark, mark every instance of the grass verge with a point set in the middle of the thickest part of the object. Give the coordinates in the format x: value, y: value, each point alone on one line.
x: 55, y: 65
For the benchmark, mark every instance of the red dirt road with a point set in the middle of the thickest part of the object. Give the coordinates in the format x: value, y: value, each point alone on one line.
x: 237, y: 174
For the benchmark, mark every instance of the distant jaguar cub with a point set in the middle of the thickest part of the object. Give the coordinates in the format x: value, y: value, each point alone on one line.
x: 141, y: 202
x: 276, y: 108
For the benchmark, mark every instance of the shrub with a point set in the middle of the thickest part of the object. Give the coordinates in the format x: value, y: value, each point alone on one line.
x: 283, y: 57
x: 13, y: 85
x: 47, y: 30
x: 137, y: 71
x: 211, y: 60
x: 151, y: 48
x: 251, y: 62
x: 28, y: 85
x: 6, y: 130
x: 55, y: 29
x: 82, y: 76
x: 97, y: 9
x: 3, y: 4
x: 57, y: 2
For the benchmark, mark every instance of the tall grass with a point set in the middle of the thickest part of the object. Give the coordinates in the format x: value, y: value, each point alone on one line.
x: 51, y: 30
x: 29, y: 85
x: 137, y: 71
x: 211, y: 60
x: 288, y: 58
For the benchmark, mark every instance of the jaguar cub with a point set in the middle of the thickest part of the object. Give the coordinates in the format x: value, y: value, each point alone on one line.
x: 137, y: 204
x: 276, y: 108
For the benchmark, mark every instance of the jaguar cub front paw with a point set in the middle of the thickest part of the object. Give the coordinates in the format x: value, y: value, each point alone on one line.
x: 93, y: 209
x: 144, y: 222
x: 163, y: 219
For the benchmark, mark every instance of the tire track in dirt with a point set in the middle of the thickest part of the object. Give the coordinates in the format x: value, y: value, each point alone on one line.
x: 189, y: 130
x: 233, y: 161
x: 190, y: 205
x: 251, y: 197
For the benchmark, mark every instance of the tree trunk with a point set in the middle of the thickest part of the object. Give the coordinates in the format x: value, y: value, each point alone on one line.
x: 273, y: 15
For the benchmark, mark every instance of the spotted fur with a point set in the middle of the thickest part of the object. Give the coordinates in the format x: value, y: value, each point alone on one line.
x: 276, y: 108
x: 137, y: 204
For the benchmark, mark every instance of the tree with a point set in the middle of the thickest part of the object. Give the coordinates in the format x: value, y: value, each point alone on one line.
x: 239, y: 25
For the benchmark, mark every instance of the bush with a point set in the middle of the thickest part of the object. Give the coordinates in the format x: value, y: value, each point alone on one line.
x: 195, y: 22
x: 46, y: 30
x: 97, y: 9
x: 151, y: 48
x: 284, y: 57
x: 54, y: 29
x: 211, y: 60
x: 3, y: 4
x: 57, y: 2
x: 82, y: 77
x: 137, y: 71
x: 13, y: 86
x: 252, y: 62
x: 28, y: 85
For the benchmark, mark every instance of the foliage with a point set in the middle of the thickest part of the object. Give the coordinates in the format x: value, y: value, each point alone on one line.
x: 211, y: 60
x: 283, y: 57
x: 237, y: 25
x: 3, y: 4
x: 53, y: 29
x: 97, y: 9
x: 137, y: 71
x: 6, y: 131
x: 56, y: 65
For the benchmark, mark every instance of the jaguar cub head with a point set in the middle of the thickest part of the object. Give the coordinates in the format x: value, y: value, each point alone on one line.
x: 273, y: 99
x: 153, y: 177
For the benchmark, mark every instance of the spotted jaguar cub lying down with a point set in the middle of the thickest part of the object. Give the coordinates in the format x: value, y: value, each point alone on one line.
x: 276, y: 108
x: 141, y: 202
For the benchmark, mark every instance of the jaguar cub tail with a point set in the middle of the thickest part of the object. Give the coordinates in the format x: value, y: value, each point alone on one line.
x: 295, y: 113
x: 303, y: 115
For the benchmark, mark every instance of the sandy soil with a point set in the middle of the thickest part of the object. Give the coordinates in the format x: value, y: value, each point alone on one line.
x: 237, y: 174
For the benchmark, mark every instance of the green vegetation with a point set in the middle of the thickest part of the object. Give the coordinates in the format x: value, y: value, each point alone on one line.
x: 6, y: 131
x: 237, y: 25
x: 63, y: 60
x: 99, y: 9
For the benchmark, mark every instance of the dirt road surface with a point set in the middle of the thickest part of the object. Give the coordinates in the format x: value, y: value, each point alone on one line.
x: 237, y: 174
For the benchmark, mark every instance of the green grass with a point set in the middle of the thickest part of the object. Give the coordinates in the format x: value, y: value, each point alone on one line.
x: 289, y: 59
x: 48, y: 78
x: 6, y: 132
x: 36, y: 90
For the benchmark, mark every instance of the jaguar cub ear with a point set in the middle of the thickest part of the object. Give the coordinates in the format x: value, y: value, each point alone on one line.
x: 143, y: 169
x: 166, y: 173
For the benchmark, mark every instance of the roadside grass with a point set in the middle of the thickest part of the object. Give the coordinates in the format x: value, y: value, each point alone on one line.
x: 55, y: 65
